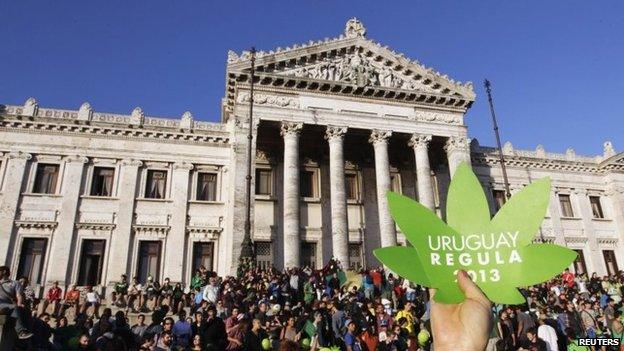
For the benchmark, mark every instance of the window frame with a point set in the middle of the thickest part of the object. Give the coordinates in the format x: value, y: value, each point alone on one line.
x: 92, y: 175
x: 600, y: 207
x: 155, y: 166
x: 159, y: 268
x: 358, y: 186
x: 196, y: 184
x: 360, y: 256
x: 561, y: 208
x: 497, y: 205
x: 269, y: 169
x: 315, y: 252
x: 59, y: 177
x: 270, y: 257
x: 316, y: 182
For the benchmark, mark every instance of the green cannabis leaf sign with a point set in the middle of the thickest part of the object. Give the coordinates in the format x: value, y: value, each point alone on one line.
x: 498, y: 254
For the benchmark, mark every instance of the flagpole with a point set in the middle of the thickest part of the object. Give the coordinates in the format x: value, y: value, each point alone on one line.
x: 488, y: 89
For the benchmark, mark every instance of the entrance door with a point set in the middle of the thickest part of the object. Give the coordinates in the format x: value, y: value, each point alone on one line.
x: 91, y: 262
x: 31, y: 259
x: 202, y: 255
x: 579, y: 263
x: 610, y: 262
x: 149, y: 260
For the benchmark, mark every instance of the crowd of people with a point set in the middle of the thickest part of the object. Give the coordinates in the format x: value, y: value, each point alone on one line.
x: 299, y: 309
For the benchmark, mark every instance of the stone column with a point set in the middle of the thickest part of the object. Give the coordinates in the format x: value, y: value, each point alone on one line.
x: 290, y: 132
x: 387, y: 229
x: 457, y: 151
x: 339, y: 217
x: 121, y: 238
x: 14, y: 178
x: 63, y: 241
x: 420, y: 143
x: 615, y: 192
x: 175, y: 247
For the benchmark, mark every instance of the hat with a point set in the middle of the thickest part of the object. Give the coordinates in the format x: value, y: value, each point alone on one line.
x: 347, y: 322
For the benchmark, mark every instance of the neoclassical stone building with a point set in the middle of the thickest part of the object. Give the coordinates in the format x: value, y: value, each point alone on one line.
x: 86, y: 196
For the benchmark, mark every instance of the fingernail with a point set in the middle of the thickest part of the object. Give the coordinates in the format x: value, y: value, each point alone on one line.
x: 464, y: 274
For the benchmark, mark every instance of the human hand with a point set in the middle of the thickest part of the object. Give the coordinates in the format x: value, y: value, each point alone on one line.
x: 462, y: 326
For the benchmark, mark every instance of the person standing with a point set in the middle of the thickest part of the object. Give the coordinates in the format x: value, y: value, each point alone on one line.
x: 12, y: 300
x: 548, y: 334
x: 254, y: 337
x: 351, y: 342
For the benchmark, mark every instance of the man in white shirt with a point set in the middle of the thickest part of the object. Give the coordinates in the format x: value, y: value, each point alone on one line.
x: 211, y: 292
x: 548, y: 334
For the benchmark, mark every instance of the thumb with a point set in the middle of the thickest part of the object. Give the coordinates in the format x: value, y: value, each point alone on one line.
x: 470, y: 289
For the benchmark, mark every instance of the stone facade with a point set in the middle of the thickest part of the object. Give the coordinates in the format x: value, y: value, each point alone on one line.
x: 87, y: 196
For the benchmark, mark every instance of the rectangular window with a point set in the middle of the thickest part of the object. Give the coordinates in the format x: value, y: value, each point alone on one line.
x: 31, y: 259
x: 579, y: 263
x: 264, y: 254
x: 395, y: 183
x: 263, y: 181
x: 351, y: 186
x: 308, y: 184
x: 610, y: 262
x: 355, y: 257
x: 102, y: 183
x: 596, y: 206
x: 499, y: 199
x: 46, y: 179
x: 91, y: 262
x: 149, y: 260
x: 566, y: 206
x: 308, y: 255
x: 156, y: 184
x: 207, y: 187
x: 202, y: 255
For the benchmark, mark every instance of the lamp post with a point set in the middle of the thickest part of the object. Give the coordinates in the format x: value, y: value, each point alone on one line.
x: 247, y: 250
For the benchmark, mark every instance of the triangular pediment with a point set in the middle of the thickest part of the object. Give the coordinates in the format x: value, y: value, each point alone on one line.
x: 352, y: 59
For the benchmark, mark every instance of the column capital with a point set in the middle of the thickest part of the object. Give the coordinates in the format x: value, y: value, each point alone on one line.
x: 379, y: 136
x: 456, y: 143
x: 290, y: 128
x: 335, y: 133
x: 183, y: 165
x: 76, y: 159
x: 131, y: 162
x: 19, y: 155
x: 419, y: 141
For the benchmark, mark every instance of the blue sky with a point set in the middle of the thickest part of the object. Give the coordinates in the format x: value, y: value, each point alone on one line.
x: 556, y: 66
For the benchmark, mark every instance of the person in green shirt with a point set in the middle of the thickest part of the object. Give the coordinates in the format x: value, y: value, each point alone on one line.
x: 617, y: 330
x: 573, y: 343
x: 196, y: 281
x: 119, y: 297
x: 308, y: 292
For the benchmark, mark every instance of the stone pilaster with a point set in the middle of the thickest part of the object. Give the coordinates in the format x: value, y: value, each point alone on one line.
x: 387, y: 228
x: 583, y: 210
x: 420, y: 144
x: 63, y: 241
x: 176, y: 238
x: 121, y: 238
x: 11, y: 190
x: 290, y: 132
x: 615, y: 193
x: 339, y: 220
x: 457, y: 151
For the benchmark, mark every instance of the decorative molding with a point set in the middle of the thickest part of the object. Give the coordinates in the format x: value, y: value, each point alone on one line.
x: 131, y: 162
x: 36, y: 224
x: 75, y: 159
x: 19, y: 155
x: 271, y: 100
x: 335, y: 133
x: 290, y: 128
x: 96, y: 226
x: 437, y: 117
x: 418, y: 141
x: 183, y: 165
x: 379, y: 136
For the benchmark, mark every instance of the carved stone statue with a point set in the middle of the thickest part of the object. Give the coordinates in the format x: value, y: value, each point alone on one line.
x: 354, y: 28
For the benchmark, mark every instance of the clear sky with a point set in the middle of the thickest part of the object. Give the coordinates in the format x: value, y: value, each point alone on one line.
x: 557, y: 67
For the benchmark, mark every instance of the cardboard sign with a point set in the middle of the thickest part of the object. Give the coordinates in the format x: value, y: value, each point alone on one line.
x: 497, y: 253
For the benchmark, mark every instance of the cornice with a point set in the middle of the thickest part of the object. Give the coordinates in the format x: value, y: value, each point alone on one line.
x: 111, y: 132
